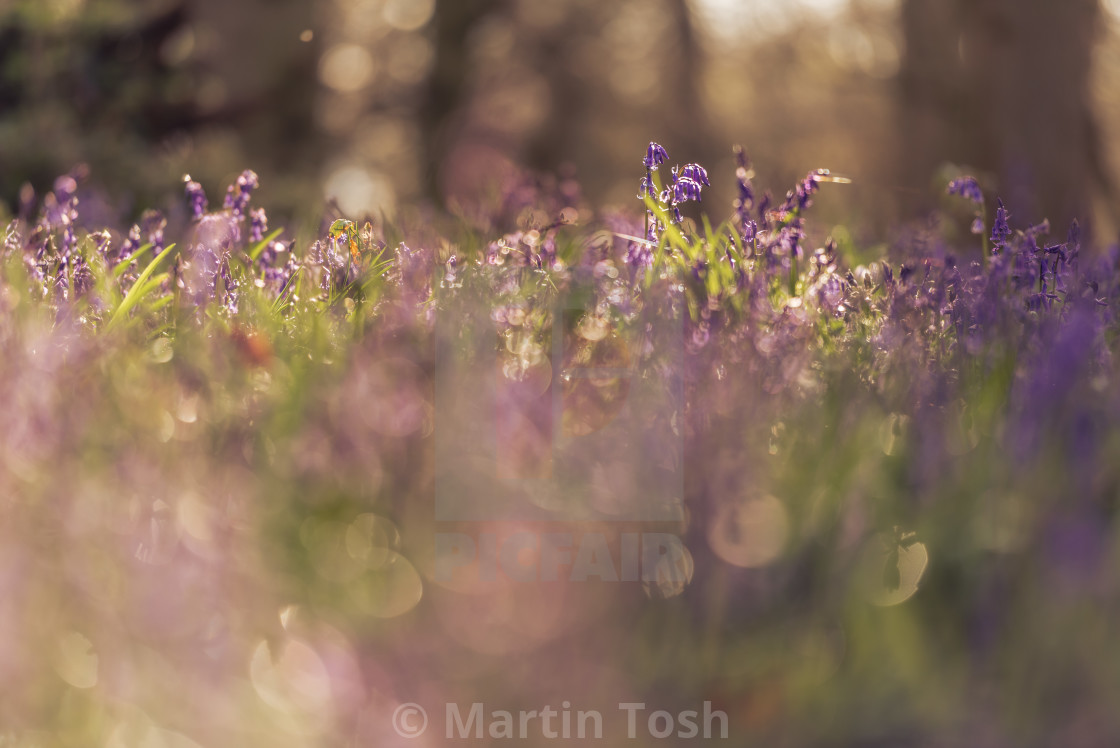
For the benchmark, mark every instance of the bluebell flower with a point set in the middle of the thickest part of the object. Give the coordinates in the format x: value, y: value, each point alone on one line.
x: 130, y: 245
x: 196, y: 197
x: 745, y: 200
x: 801, y: 197
x: 696, y: 173
x: 69, y: 219
x: 230, y: 291
x: 258, y: 224
x: 686, y: 189
x: 966, y: 187
x: 82, y: 277
x: 101, y: 240
x: 1001, y: 229
x: 239, y: 193
x: 639, y: 256
x: 655, y: 156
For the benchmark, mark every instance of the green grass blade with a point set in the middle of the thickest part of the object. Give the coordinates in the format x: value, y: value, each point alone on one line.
x: 257, y: 248
x: 123, y: 265
x: 139, y: 288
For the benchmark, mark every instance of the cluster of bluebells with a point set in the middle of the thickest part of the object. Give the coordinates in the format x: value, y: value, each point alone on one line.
x: 1021, y: 260
x: 780, y: 233
x: 203, y: 269
x: 278, y: 267
x: 57, y: 255
x: 50, y: 251
x: 685, y: 184
x: 239, y: 193
x: 333, y: 264
x: 857, y: 399
x: 773, y: 236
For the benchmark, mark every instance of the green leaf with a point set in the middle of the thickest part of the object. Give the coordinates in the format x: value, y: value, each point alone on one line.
x: 122, y: 266
x: 257, y: 248
x: 140, y: 288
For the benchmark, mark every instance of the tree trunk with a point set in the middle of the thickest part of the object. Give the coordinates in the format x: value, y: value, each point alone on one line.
x: 1002, y: 86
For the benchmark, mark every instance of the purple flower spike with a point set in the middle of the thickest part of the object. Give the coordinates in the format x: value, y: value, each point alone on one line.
x: 745, y: 201
x: 696, y: 173
x: 258, y: 224
x: 1001, y: 229
x: 196, y: 197
x: 238, y: 194
x: 639, y: 256
x: 966, y: 187
x: 655, y: 156
x: 130, y: 245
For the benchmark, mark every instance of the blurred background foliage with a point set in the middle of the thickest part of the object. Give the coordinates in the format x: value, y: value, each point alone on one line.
x: 385, y: 103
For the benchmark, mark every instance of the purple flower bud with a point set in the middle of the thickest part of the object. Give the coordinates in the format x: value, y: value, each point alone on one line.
x: 801, y: 196
x: 239, y: 193
x: 750, y: 231
x: 83, y: 277
x: 258, y: 224
x: 966, y: 187
x: 196, y: 197
x: 68, y: 216
x: 101, y: 242
x: 745, y: 201
x: 131, y: 244
x: 229, y: 289
x: 69, y: 240
x: 1001, y: 229
x: 655, y: 156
